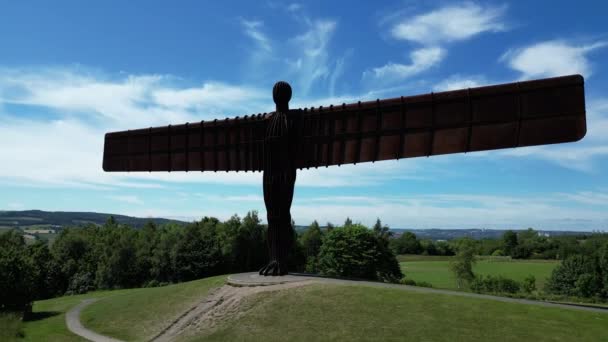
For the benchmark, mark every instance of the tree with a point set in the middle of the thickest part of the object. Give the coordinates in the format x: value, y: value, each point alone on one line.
x: 462, y: 266
x: 250, y: 247
x: 354, y: 251
x: 197, y: 253
x: 509, y: 241
x: 382, y: 231
x: 45, y: 275
x: 16, y: 280
x: 348, y: 222
x: 311, y: 244
x: 407, y: 243
x: 576, y: 276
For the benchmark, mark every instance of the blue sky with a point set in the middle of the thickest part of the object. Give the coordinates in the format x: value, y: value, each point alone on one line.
x: 69, y: 72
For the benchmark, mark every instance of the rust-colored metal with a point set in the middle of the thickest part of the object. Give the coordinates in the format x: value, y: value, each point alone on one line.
x: 537, y: 112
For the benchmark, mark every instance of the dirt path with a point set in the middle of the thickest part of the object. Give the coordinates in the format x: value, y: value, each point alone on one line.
x: 223, y: 304
x: 72, y: 320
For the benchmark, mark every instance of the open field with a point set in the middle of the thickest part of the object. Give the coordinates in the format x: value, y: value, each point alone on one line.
x: 436, y: 270
x: 140, y: 314
x: 355, y: 313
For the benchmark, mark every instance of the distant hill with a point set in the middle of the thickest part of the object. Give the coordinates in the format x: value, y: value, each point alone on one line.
x: 61, y: 219
x: 39, y: 219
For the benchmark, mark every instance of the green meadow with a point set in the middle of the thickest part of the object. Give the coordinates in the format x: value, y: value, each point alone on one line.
x: 436, y: 270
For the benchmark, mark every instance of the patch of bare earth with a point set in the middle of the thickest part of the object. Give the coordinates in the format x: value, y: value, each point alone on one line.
x: 222, y: 304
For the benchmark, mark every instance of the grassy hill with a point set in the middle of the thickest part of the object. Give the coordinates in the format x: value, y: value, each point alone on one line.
x: 318, y: 312
x: 357, y: 313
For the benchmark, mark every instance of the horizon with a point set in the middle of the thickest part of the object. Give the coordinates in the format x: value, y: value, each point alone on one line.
x: 71, y: 72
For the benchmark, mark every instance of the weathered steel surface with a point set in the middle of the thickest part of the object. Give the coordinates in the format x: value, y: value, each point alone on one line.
x: 528, y: 113
x: 519, y: 114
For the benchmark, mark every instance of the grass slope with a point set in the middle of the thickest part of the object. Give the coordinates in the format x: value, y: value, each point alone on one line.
x: 354, y: 313
x: 437, y: 272
x: 140, y: 314
x: 11, y: 327
x: 48, y: 318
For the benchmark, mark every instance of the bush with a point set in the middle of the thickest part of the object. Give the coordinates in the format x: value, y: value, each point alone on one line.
x: 498, y: 252
x: 494, y: 284
x: 81, y: 283
x: 355, y: 251
x: 529, y: 284
x: 423, y: 284
x: 405, y: 281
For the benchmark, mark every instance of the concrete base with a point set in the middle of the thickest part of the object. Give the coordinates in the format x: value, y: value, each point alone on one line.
x: 254, y: 279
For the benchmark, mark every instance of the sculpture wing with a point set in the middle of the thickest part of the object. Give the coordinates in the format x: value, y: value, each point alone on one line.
x: 518, y: 114
x: 220, y: 145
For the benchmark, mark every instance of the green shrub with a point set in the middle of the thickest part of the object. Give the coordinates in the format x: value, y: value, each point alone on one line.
x: 529, y: 284
x: 494, y: 284
x: 355, y: 251
x: 406, y: 281
x: 498, y: 252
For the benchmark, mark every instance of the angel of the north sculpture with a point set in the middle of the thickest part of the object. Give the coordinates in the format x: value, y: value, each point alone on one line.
x: 538, y: 112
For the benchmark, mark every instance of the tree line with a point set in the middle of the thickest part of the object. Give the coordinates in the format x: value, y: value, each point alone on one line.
x: 113, y: 255
x: 525, y: 244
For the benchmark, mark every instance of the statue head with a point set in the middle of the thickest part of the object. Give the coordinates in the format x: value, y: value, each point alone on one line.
x: 281, y: 94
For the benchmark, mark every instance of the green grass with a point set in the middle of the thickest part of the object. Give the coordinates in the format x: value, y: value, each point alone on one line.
x: 140, y: 314
x: 11, y: 327
x: 48, y: 318
x: 439, y: 275
x: 356, y: 313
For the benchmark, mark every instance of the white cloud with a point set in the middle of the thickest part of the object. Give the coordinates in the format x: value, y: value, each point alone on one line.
x: 65, y: 149
x: 455, y: 82
x: 421, y: 60
x: 450, y: 23
x: 253, y: 29
x: 130, y: 199
x: 312, y: 63
x: 294, y: 7
x: 551, y: 58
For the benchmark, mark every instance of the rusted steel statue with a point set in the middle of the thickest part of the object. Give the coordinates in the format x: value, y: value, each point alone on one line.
x: 510, y: 115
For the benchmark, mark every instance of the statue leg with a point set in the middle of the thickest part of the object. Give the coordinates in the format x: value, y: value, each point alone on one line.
x: 278, y: 194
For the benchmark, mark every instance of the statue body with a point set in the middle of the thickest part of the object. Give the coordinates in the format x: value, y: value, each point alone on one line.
x: 279, y: 179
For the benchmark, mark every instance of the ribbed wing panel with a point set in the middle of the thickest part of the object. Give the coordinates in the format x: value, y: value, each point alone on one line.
x: 220, y: 145
x: 519, y: 114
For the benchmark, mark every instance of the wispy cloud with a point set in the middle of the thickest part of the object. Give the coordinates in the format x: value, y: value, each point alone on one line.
x: 312, y: 62
x: 130, y: 199
x: 421, y: 60
x: 450, y: 23
x: 253, y: 29
x: 551, y: 58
